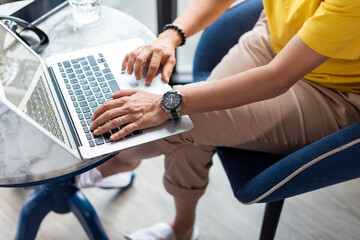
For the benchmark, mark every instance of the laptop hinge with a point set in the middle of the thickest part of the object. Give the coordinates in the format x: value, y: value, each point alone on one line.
x: 65, y: 108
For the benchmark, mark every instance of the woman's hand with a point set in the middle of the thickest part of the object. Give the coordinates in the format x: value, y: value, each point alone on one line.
x: 134, y: 108
x: 160, y: 55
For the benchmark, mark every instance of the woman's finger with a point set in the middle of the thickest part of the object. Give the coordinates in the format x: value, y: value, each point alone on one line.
x: 132, y: 58
x: 110, y: 125
x: 124, y: 93
x: 106, y: 112
x: 139, y: 63
x: 153, y: 68
x: 124, y: 131
x: 168, y: 69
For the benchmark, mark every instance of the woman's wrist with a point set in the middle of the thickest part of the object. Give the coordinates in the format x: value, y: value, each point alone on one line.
x: 172, y: 36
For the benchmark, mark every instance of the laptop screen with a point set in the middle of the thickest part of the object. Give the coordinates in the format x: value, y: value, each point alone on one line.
x: 23, y: 80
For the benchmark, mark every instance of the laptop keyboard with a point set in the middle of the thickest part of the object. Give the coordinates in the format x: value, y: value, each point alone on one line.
x: 40, y: 109
x: 90, y: 83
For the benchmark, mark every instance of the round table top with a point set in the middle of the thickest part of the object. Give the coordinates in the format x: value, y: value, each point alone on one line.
x: 41, y: 164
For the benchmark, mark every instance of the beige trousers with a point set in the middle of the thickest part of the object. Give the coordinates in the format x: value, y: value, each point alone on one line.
x: 302, y: 115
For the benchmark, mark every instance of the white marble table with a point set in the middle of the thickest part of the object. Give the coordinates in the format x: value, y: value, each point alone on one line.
x: 28, y: 157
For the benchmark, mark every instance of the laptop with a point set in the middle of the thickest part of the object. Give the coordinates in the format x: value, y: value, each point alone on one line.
x: 59, y: 95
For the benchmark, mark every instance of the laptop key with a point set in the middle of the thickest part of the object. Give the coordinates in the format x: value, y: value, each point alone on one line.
x: 88, y: 93
x: 69, y: 70
x: 115, y: 130
x: 91, y: 78
x: 109, y: 76
x: 91, y: 98
x: 86, y: 129
x: 91, y: 143
x: 91, y: 60
x: 83, y: 81
x: 83, y: 104
x: 107, y: 135
x: 103, y: 84
x: 98, y: 95
x: 108, y: 96
x: 96, y: 89
x: 81, y: 98
x: 106, y: 90
x: 101, y: 79
x: 93, y: 105
x: 88, y: 115
x: 78, y: 71
x: 101, y: 100
x: 99, y: 141
x: 88, y: 136
x: 83, y: 123
x: 106, y: 70
x: 114, y: 86
x: 81, y: 117
x: 85, y: 109
x: 71, y: 75
x: 66, y: 64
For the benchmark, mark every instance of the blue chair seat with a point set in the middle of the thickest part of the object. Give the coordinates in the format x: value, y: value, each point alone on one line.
x: 263, y: 177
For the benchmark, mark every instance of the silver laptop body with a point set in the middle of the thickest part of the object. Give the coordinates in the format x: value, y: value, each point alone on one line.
x: 58, y: 95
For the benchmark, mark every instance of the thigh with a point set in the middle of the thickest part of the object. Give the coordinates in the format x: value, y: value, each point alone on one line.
x: 302, y: 115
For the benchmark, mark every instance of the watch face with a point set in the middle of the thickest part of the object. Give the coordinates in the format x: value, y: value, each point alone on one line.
x: 172, y: 100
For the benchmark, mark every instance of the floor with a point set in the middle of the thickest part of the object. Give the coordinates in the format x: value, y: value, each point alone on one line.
x: 328, y: 214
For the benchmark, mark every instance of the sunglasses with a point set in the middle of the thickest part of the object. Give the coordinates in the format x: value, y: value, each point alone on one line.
x: 35, y: 38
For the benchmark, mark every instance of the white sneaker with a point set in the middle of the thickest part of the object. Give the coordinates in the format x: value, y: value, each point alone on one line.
x: 93, y: 178
x: 158, y: 231
x: 120, y: 180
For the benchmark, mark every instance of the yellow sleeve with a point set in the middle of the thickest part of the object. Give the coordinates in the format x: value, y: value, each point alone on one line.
x: 334, y: 29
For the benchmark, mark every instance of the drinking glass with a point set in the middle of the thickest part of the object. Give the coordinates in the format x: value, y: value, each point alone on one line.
x: 86, y: 11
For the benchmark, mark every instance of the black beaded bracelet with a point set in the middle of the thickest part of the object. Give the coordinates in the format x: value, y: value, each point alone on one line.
x: 176, y: 28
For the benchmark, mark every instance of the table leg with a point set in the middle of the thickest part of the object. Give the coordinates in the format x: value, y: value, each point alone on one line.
x: 87, y: 216
x: 36, y: 207
x: 60, y: 197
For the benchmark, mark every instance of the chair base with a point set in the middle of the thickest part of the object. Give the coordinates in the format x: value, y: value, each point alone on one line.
x: 60, y: 197
x: 271, y: 220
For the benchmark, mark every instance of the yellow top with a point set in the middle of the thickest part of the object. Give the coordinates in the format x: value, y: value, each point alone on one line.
x: 329, y: 27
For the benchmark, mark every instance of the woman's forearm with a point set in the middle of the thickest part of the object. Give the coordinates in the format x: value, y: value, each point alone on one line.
x: 271, y: 80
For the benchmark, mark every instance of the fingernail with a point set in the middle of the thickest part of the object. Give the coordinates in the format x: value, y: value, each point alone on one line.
x: 112, y: 137
x: 96, y: 132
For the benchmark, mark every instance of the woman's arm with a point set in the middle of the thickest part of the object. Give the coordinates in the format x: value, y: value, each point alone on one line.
x: 291, y: 64
x: 140, y: 109
x: 161, y: 53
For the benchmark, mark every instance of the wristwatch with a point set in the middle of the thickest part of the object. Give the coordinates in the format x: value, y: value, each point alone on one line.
x: 171, y: 102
